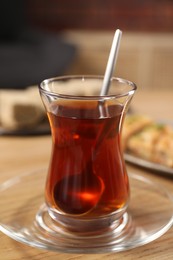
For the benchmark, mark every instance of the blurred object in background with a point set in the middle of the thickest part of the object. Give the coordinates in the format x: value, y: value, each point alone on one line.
x: 28, y: 55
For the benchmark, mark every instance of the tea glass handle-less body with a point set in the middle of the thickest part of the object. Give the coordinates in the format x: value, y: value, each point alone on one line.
x: 87, y: 176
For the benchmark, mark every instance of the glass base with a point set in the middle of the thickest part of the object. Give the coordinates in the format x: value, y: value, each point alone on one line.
x: 24, y: 217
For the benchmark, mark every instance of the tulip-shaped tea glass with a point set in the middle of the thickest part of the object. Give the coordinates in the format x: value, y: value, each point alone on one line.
x: 87, y: 187
x: 86, y: 207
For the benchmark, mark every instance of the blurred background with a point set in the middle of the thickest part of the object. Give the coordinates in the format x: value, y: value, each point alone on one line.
x: 46, y: 38
x: 138, y: 15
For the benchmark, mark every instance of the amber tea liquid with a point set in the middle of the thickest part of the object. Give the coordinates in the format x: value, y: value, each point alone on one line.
x: 87, y: 175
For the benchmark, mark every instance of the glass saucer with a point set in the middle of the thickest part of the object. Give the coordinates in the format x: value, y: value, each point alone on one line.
x: 24, y: 217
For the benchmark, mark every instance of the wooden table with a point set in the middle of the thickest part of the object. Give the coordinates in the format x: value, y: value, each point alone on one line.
x: 26, y: 153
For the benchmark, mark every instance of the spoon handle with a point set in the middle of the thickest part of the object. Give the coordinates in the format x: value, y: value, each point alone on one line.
x: 111, y: 62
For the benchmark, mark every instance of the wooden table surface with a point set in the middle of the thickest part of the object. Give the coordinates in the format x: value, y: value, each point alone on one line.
x: 19, y: 154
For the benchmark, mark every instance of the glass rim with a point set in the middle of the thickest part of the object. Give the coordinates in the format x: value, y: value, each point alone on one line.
x: 86, y: 97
